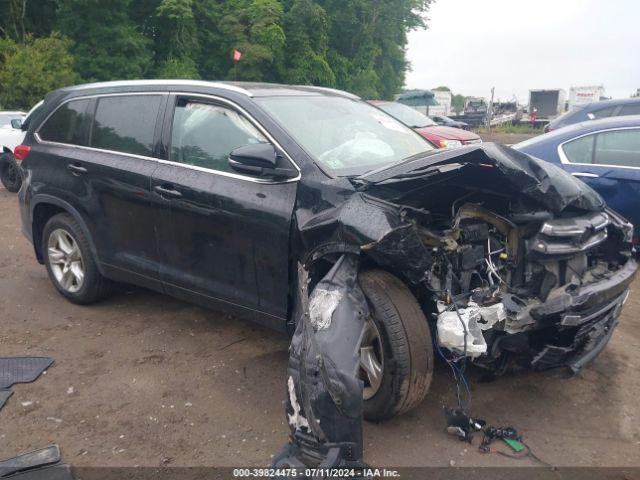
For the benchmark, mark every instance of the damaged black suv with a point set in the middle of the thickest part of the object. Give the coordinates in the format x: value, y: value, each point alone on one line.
x: 312, y: 212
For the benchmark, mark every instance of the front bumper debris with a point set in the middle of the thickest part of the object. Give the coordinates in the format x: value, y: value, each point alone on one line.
x: 591, y: 337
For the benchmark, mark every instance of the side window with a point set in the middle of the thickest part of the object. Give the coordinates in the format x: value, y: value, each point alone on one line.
x: 67, y: 124
x: 126, y: 123
x: 205, y: 134
x: 633, y: 109
x: 618, y: 147
x: 602, y: 113
x: 579, y: 150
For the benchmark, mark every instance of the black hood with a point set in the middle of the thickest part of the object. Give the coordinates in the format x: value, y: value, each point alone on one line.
x: 542, y: 181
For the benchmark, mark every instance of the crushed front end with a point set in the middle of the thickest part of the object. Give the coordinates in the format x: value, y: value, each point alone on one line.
x: 528, y: 267
x: 516, y: 262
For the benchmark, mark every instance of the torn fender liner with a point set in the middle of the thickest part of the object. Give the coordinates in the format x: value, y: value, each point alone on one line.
x: 324, y: 397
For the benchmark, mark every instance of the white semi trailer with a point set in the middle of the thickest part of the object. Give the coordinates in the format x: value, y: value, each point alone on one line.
x: 579, y: 96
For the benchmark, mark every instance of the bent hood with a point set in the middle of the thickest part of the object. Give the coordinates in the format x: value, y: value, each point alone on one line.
x: 542, y: 181
x: 447, y: 133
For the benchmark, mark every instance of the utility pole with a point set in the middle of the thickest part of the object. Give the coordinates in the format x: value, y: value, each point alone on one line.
x: 490, y: 112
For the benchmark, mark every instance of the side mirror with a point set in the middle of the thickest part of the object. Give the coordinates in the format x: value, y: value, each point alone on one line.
x: 260, y: 159
x: 16, y: 123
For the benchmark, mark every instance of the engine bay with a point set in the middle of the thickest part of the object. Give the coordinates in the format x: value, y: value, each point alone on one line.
x: 497, y: 263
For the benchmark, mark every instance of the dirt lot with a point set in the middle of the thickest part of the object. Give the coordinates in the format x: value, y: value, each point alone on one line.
x: 142, y: 379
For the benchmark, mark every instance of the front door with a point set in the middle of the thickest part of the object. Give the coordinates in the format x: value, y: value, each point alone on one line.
x: 224, y: 237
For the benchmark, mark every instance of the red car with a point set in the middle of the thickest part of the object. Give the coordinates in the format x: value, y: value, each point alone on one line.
x: 440, y: 136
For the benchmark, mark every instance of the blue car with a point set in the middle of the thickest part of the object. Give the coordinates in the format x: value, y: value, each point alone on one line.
x: 595, y: 110
x: 603, y: 153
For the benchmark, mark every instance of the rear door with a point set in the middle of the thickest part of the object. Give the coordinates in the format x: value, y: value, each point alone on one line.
x: 61, y: 141
x: 224, y: 239
x: 123, y: 144
x: 609, y: 161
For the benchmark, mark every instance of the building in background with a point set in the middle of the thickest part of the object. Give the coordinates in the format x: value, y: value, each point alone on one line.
x: 421, y: 100
x: 443, y: 99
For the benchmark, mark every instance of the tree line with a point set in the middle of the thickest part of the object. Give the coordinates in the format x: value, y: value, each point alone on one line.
x: 354, y: 45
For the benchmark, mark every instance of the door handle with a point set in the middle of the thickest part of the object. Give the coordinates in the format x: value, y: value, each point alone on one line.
x: 167, y: 192
x: 584, y: 174
x: 76, y: 169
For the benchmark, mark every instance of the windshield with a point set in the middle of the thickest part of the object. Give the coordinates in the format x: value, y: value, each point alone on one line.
x: 407, y: 115
x: 349, y: 137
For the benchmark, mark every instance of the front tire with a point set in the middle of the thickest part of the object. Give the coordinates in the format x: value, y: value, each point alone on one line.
x: 70, y: 263
x: 402, y: 353
x: 10, y: 173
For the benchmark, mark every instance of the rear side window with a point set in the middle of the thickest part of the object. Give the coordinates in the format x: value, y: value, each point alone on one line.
x: 67, y: 124
x: 205, y: 134
x: 126, y: 123
x: 631, y: 109
x: 602, y: 113
x: 579, y: 150
x: 618, y: 147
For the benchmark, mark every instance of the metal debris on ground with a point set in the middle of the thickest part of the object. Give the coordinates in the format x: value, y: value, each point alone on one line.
x: 41, y: 464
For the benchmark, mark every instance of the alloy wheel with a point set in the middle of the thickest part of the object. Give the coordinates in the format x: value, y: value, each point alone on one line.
x: 65, y: 260
x: 371, y: 360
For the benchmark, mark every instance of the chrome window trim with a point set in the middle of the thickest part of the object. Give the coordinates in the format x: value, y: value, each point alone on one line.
x: 215, y: 98
x: 565, y: 161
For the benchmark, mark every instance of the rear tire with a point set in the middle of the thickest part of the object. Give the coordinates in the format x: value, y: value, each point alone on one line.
x: 407, y: 348
x: 70, y: 263
x: 10, y: 173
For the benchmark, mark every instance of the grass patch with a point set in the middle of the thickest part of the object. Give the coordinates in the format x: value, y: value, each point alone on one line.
x: 511, y: 128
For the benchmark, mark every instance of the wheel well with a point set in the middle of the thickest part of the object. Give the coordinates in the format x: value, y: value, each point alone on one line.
x: 41, y: 215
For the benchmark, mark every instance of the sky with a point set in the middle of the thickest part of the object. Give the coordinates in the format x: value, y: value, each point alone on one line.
x: 518, y: 45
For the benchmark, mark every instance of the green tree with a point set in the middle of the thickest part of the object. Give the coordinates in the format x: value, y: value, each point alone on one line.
x: 178, y: 26
x: 457, y: 103
x: 176, y: 40
x: 183, y: 67
x: 307, y: 43
x: 253, y: 27
x: 30, y: 69
x: 107, y: 44
x: 368, y: 40
x: 355, y: 45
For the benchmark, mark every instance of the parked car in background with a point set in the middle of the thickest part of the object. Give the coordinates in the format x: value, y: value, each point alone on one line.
x: 596, y: 110
x: 603, y: 153
x: 12, y: 132
x: 440, y: 136
x: 6, y: 118
x: 449, y: 122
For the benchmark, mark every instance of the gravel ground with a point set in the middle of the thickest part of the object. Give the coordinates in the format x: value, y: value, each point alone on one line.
x: 143, y: 379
